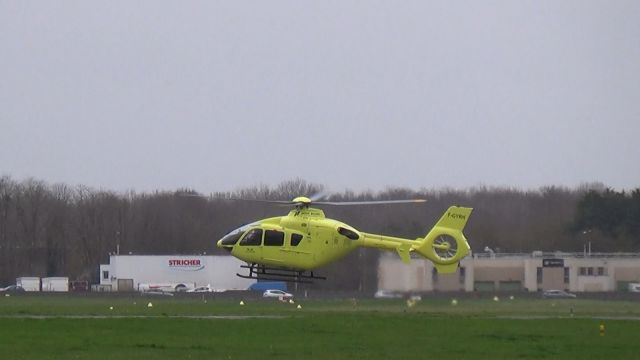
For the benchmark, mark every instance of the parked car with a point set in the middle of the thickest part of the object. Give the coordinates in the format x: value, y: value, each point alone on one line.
x: 386, y: 294
x: 634, y: 287
x: 268, y: 285
x: 201, y: 289
x: 157, y: 292
x: 557, y: 294
x: 278, y: 294
x: 12, y: 288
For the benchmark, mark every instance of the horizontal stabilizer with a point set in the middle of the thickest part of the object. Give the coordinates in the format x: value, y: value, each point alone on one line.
x: 403, y: 251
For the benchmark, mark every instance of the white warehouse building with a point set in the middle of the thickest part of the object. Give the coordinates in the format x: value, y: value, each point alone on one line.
x: 169, y: 272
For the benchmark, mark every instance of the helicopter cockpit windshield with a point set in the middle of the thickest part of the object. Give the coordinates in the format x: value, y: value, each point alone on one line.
x: 232, y: 237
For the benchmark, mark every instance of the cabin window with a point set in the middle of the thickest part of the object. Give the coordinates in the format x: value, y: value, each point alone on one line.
x: 348, y: 233
x: 273, y: 238
x: 252, y: 238
x: 295, y: 239
x: 105, y: 275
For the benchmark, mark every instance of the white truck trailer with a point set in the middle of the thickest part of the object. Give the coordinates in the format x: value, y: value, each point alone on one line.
x: 55, y: 284
x: 29, y: 283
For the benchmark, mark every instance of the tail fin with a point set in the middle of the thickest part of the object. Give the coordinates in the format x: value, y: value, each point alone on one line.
x: 445, y: 244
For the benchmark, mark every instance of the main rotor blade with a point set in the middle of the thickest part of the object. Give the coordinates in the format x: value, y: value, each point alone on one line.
x: 375, y: 202
x: 321, y: 203
x: 193, y: 195
x: 319, y: 196
x: 280, y: 202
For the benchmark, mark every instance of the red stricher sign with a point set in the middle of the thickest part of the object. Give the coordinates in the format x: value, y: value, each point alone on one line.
x: 184, y: 262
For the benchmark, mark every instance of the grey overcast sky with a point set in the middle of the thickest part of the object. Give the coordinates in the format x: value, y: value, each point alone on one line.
x: 217, y: 95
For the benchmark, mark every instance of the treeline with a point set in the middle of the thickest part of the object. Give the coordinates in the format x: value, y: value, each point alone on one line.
x: 62, y: 230
x: 610, y: 215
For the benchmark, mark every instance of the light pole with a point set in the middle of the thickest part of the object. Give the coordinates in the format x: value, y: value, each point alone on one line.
x: 117, y: 242
x: 584, y: 247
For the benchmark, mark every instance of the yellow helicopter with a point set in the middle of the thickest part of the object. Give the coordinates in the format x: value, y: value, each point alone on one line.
x: 290, y: 247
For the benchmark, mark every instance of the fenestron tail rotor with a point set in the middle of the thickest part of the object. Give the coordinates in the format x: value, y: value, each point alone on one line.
x: 445, y: 246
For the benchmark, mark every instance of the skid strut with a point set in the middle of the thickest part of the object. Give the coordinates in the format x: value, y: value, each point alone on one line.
x: 262, y: 272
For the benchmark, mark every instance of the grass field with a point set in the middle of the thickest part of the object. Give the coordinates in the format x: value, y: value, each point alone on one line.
x: 66, y: 327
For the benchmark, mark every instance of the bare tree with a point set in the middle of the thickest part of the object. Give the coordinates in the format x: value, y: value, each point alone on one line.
x: 57, y: 229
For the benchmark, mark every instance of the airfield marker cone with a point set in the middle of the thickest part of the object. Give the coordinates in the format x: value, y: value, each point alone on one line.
x: 601, y: 329
x: 291, y: 301
x: 149, y: 305
x: 454, y: 302
x: 241, y: 303
x: 496, y: 298
x: 511, y: 297
x: 110, y: 307
x: 6, y: 295
x: 299, y: 306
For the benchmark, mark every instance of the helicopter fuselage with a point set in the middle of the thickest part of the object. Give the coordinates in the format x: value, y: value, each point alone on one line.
x: 303, y: 240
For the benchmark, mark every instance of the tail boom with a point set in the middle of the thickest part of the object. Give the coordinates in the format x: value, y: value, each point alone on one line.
x: 445, y: 244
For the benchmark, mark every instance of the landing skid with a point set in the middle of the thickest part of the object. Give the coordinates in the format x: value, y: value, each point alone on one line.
x: 261, y: 272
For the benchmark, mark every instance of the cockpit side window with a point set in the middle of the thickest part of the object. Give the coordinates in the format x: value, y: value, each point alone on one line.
x: 273, y: 238
x: 231, y: 239
x: 252, y: 238
x: 295, y: 239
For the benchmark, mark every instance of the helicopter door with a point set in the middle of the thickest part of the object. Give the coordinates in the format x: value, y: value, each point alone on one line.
x: 272, y: 250
x: 297, y: 250
x: 250, y: 246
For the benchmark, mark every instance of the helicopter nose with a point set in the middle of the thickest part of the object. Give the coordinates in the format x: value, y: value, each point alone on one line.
x: 222, y: 246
